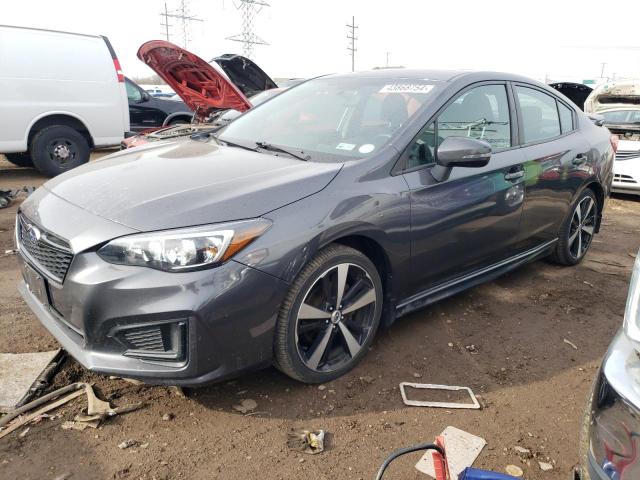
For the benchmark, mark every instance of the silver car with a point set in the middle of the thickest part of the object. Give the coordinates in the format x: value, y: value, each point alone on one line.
x: 612, y: 426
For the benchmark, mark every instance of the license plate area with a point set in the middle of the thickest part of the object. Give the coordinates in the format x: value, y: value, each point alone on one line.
x: 35, y: 282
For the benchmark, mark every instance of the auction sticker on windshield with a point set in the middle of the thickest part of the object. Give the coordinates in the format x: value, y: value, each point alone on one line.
x: 406, y: 88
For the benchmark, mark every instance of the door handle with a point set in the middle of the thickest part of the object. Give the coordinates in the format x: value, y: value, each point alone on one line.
x: 580, y: 159
x: 515, y: 175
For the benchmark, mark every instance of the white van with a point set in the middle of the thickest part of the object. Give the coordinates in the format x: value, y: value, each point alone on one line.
x: 61, y: 94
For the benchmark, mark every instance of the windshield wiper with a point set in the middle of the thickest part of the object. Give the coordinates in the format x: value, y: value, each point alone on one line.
x: 232, y: 144
x: 275, y: 148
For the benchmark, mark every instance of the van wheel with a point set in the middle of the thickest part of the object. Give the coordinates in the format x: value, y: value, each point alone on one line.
x: 20, y: 159
x: 57, y: 149
x: 329, y: 317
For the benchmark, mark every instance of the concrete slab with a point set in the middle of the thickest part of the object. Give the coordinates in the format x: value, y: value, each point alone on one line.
x: 18, y: 372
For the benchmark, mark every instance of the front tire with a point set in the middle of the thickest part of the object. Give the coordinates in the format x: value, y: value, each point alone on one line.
x: 329, y: 317
x: 57, y: 149
x: 577, y: 230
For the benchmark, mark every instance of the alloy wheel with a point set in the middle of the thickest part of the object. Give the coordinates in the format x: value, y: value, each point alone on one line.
x: 335, y: 318
x: 581, y: 230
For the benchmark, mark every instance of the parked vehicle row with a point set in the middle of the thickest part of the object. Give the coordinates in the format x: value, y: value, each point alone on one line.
x: 217, y: 95
x: 63, y: 109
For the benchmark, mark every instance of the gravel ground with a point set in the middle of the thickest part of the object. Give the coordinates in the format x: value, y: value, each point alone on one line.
x: 531, y: 383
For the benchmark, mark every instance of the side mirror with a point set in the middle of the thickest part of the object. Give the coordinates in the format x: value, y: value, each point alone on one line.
x: 145, y: 97
x: 596, y: 119
x: 460, y: 152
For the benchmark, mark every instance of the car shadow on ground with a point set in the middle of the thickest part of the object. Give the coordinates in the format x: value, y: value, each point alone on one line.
x: 506, y: 333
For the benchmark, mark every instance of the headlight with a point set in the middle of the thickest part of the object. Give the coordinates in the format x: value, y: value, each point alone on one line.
x: 632, y: 312
x: 186, y: 248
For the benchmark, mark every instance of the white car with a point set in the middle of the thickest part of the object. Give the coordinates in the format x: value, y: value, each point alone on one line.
x: 61, y: 94
x: 625, y: 123
x: 618, y: 103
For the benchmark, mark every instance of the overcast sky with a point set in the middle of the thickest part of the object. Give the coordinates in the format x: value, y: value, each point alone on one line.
x: 560, y: 39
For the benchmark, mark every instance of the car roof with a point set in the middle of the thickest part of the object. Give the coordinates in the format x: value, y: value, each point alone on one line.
x: 435, y: 75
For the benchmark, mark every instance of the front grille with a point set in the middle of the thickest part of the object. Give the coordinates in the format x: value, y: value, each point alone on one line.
x: 627, y: 154
x: 623, y: 178
x: 51, y: 253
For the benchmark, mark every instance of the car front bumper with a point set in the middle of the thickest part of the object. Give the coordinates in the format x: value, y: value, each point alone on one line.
x: 186, y: 328
x: 613, y: 426
x: 626, y: 176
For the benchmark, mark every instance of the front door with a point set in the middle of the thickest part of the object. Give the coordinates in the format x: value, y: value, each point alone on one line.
x: 470, y: 220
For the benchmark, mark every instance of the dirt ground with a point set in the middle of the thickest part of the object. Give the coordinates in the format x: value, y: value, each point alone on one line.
x: 532, y: 384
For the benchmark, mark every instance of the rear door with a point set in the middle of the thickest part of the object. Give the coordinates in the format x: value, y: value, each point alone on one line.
x: 556, y: 162
x: 470, y: 220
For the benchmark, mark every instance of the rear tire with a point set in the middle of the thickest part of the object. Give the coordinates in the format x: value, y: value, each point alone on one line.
x: 57, y: 149
x: 20, y: 159
x: 577, y: 230
x: 179, y: 121
x: 323, y: 330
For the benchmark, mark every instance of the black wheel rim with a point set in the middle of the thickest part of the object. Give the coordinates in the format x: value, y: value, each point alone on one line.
x: 62, y: 151
x: 583, y: 222
x: 335, y: 318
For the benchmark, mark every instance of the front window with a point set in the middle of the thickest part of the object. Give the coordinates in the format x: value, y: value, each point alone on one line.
x: 333, y: 118
x: 481, y: 113
x: 133, y: 94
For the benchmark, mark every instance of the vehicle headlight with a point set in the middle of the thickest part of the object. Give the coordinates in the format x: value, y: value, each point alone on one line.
x: 186, y: 248
x: 632, y: 311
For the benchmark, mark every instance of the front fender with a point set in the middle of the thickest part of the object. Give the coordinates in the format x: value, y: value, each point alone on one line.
x: 304, y: 227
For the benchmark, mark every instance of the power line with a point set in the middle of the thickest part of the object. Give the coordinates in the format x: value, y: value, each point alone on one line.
x: 182, y: 14
x: 249, y: 9
x: 166, y: 23
x: 351, y: 35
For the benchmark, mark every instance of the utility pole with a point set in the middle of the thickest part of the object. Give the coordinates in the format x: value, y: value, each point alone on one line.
x: 182, y: 14
x: 249, y: 9
x: 602, y: 70
x: 387, y: 65
x: 166, y: 24
x: 351, y: 35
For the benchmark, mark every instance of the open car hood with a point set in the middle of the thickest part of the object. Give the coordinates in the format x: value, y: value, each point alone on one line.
x: 576, y: 92
x: 200, y: 86
x: 246, y: 75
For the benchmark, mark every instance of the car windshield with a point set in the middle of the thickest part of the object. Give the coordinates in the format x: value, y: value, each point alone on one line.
x: 333, y: 118
x: 621, y: 116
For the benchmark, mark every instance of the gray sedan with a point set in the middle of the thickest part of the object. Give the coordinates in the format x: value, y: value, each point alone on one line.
x: 293, y: 234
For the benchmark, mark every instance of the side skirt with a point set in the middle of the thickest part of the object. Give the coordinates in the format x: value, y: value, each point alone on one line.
x: 457, y: 285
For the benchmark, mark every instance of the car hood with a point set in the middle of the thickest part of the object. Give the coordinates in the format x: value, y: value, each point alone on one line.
x: 245, y: 74
x: 178, y: 184
x: 200, y: 86
x: 576, y: 92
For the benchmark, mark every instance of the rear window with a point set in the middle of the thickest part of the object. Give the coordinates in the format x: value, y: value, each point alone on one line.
x: 540, y: 119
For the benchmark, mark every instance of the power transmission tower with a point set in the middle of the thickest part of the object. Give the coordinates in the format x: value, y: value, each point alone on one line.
x: 352, y: 47
x: 182, y: 14
x: 166, y: 23
x: 249, y: 9
x: 602, y: 70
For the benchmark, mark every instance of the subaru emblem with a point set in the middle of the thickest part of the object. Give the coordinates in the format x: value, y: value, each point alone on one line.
x: 33, y: 233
